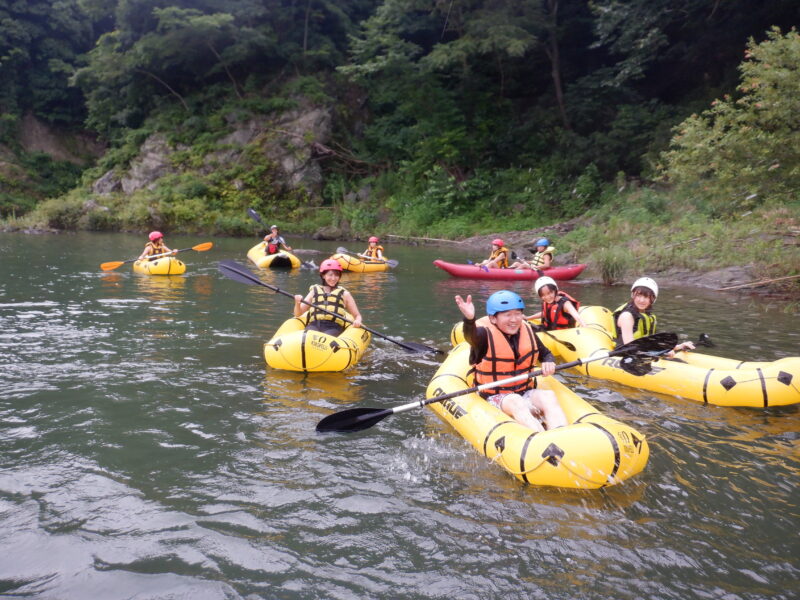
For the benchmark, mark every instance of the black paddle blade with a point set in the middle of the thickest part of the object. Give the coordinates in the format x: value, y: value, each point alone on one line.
x: 656, y: 343
x: 352, y: 420
x: 636, y: 364
x: 254, y: 215
x: 638, y: 355
x: 235, y: 271
x: 705, y: 340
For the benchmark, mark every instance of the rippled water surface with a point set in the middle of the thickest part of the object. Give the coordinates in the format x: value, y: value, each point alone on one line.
x: 147, y: 452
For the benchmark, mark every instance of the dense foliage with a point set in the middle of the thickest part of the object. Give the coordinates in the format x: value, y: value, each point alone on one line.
x: 455, y: 115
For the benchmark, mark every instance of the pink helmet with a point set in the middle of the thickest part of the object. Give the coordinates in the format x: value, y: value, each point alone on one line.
x: 155, y: 235
x: 374, y: 239
x: 330, y: 264
x: 498, y: 242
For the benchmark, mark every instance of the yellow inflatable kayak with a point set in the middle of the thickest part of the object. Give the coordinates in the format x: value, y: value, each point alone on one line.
x: 357, y: 265
x: 293, y: 348
x: 166, y: 265
x: 593, y: 451
x: 692, y: 375
x: 280, y: 260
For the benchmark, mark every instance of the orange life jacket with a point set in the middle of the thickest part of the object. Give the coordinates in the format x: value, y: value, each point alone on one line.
x: 501, y: 362
x: 554, y: 316
x: 495, y: 253
x: 373, y: 252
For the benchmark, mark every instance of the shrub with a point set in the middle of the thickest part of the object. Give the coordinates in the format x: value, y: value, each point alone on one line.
x: 613, y: 263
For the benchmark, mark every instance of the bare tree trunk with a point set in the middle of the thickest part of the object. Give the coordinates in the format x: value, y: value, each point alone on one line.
x: 166, y: 85
x: 552, y: 51
x: 224, y: 66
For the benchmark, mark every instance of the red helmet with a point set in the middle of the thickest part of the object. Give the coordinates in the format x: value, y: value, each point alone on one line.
x: 498, y: 242
x: 330, y: 264
x: 155, y: 235
x: 374, y: 239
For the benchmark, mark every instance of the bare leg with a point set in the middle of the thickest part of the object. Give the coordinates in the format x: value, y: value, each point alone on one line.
x: 546, y: 401
x: 517, y: 407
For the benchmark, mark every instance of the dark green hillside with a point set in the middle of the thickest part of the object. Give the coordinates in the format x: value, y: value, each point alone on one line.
x: 415, y: 117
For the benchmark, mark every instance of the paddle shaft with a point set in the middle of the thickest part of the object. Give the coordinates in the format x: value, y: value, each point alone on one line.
x: 115, y: 264
x: 358, y: 419
x: 233, y: 267
x: 494, y: 384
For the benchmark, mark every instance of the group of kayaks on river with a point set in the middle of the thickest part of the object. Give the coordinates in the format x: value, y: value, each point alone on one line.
x: 488, y: 388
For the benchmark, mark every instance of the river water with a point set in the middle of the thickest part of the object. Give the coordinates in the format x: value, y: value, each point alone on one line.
x: 147, y: 451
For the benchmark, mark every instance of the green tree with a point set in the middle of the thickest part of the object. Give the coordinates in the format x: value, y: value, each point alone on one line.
x: 40, y: 42
x: 745, y: 150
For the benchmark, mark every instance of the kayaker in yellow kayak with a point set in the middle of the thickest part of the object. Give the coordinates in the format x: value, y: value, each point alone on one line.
x: 635, y: 318
x: 374, y: 251
x: 275, y: 241
x: 331, y: 297
x: 498, y: 259
x: 509, y: 347
x: 559, y: 309
x: 155, y: 246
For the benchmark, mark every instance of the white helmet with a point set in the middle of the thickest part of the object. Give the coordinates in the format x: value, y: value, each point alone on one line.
x: 543, y: 281
x: 647, y: 283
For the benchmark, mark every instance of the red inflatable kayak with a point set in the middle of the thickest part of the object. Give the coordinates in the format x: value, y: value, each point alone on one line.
x: 474, y: 272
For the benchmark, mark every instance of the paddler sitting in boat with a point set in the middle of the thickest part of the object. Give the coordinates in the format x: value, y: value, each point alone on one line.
x: 155, y: 246
x: 541, y: 259
x: 635, y: 319
x: 509, y: 347
x: 559, y: 309
x: 331, y: 297
x: 373, y: 252
x: 498, y: 259
x: 275, y: 241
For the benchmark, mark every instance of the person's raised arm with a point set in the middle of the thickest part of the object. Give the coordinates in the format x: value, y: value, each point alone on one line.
x: 466, y: 307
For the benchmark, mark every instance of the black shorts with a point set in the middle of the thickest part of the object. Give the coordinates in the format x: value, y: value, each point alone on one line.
x: 325, y: 326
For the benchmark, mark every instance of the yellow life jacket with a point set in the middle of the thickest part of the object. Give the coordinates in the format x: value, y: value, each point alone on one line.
x: 495, y: 253
x: 155, y: 249
x: 332, y: 301
x: 373, y: 252
x: 538, y: 257
x: 644, y: 324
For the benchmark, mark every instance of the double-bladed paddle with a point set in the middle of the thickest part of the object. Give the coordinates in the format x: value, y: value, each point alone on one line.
x: 237, y: 272
x: 110, y: 266
x: 392, y: 263
x: 636, y: 355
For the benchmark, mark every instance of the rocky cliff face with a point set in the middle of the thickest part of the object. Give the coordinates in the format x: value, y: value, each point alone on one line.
x: 289, y: 144
x: 79, y: 148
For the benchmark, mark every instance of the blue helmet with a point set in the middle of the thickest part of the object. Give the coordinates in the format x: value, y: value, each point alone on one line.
x: 542, y: 242
x: 502, y: 301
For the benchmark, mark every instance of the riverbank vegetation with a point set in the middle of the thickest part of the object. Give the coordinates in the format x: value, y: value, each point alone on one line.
x: 666, y: 132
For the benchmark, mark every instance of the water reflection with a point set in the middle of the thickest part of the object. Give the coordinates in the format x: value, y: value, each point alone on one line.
x: 146, y: 446
x: 161, y: 287
x: 318, y: 392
